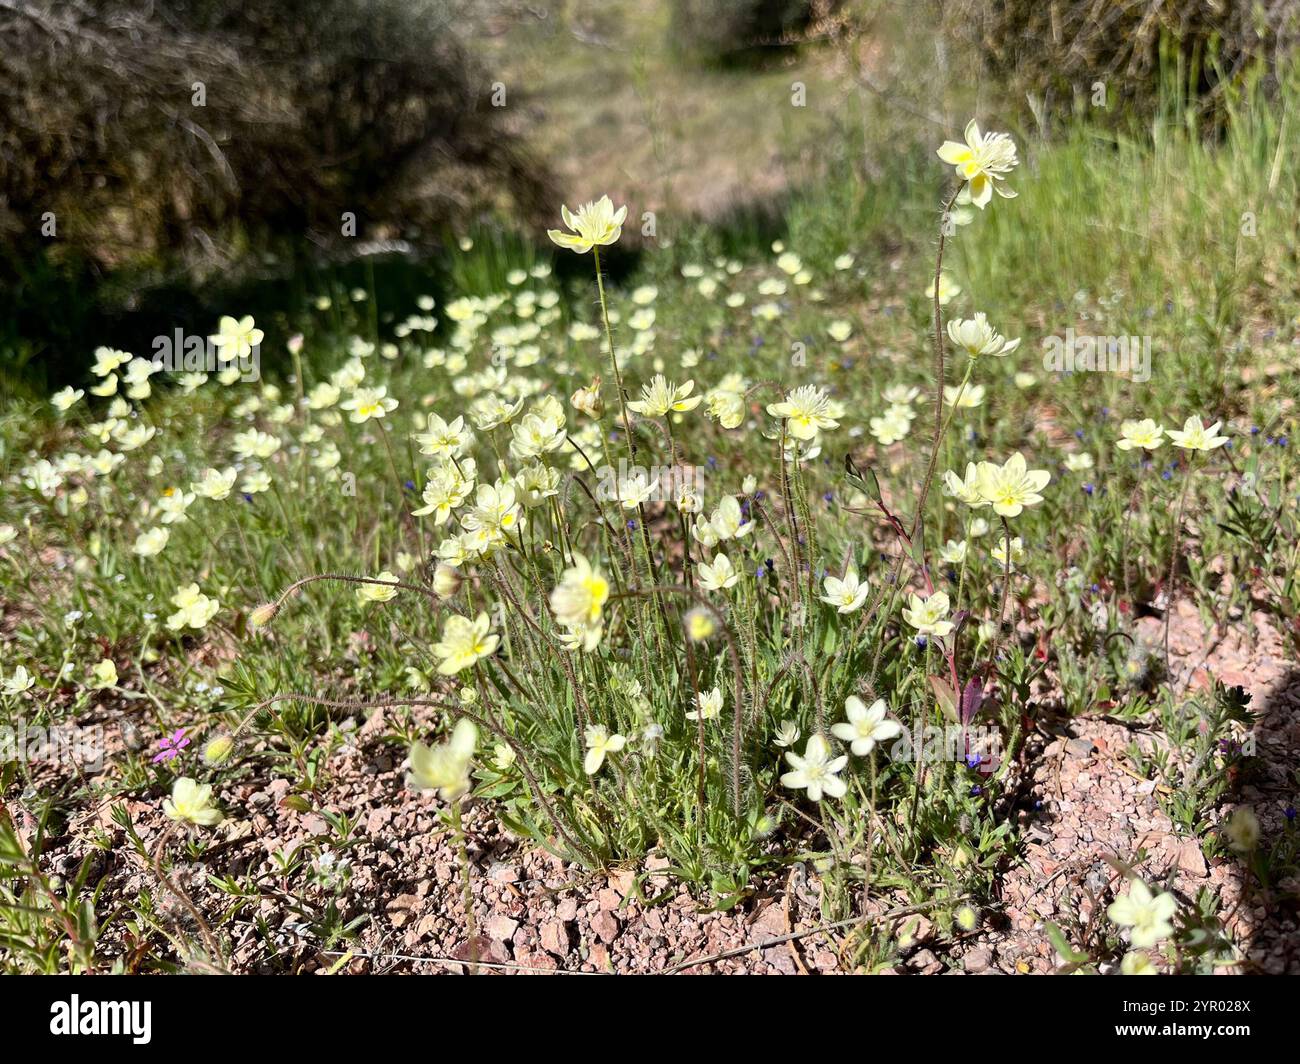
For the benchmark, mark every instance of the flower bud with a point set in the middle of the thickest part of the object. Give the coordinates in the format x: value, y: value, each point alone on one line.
x: 446, y: 580
x: 588, y: 399
x: 218, y: 750
x: 263, y: 614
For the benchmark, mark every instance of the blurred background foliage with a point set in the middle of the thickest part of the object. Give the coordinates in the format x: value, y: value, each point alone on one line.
x: 199, y: 156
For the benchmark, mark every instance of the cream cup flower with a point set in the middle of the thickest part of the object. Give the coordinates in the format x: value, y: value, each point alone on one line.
x: 1078, y: 462
x: 929, y: 616
x: 718, y: 576
x: 464, y: 643
x: 64, y: 400
x: 787, y: 734
x: 1147, y: 914
x: 368, y: 403
x: 977, y: 337
x: 1017, y: 552
x: 983, y: 162
x: 1196, y: 437
x: 595, y: 224
x: 839, y: 330
x: 599, y: 743
x: 846, y: 595
x: 236, y: 338
x: 444, y: 439
x: 1137, y: 963
x: 660, y: 396
x: 728, y: 520
x: 215, y: 484
x: 104, y: 674
x: 708, y: 703
x: 947, y: 289
x: 964, y: 489
x: 1145, y: 434
x: 636, y: 489
x: 580, y: 596
x: 805, y: 411
x: 953, y: 552
x: 367, y: 593
x: 193, y: 608
x: 1242, y: 830
x: 152, y: 542
x: 866, y: 726
x: 815, y: 771
x: 1009, y: 488
x: 21, y: 680
x: 445, y: 768
x: 967, y: 398
x: 191, y: 803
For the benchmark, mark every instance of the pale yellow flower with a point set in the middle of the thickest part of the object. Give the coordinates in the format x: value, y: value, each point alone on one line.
x: 1145, y: 434
x: 464, y: 643
x: 104, y: 673
x: 1009, y: 488
x: 236, y: 338
x: 599, y: 743
x: 1196, y: 437
x: 445, y: 767
x: 929, y: 616
x: 977, y: 337
x: 580, y: 596
x: 1148, y: 914
x: 806, y: 411
x: 191, y: 803
x: 193, y: 608
x: 594, y: 224
x: 660, y: 396
x: 983, y: 162
x: 367, y: 593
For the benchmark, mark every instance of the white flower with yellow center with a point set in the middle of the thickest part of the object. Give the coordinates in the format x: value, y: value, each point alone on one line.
x: 929, y: 616
x: 108, y: 359
x: 636, y: 489
x: 599, y: 744
x: 866, y: 726
x: 846, y: 595
x: 152, y: 542
x: 718, y: 575
x: 953, y: 552
x: 367, y: 593
x: 215, y: 484
x: 661, y: 396
x: 1078, y: 462
x: 444, y: 439
x: 1145, y: 434
x: 999, y: 553
x: 65, y: 399
x: 1009, y: 488
x: 1147, y: 914
x: 236, y: 338
x: 983, y: 163
x: 254, y: 444
x: 173, y: 504
x: 595, y: 224
x: 963, y: 398
x: 445, y: 768
x: 103, y: 674
x: 708, y: 705
x: 977, y: 337
x: 368, y: 403
x: 191, y: 803
x: 964, y: 489
x: 495, y: 511
x: 580, y: 596
x: 948, y: 289
x: 728, y: 520
x: 815, y: 771
x: 193, y: 608
x: 464, y: 643
x: 448, y: 487
x: 1194, y: 436
x: 805, y: 411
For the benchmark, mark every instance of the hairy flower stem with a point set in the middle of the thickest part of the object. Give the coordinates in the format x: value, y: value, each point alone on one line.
x: 467, y: 892
x: 1171, y: 580
x: 209, y: 939
x: 938, y: 366
x: 631, y: 437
